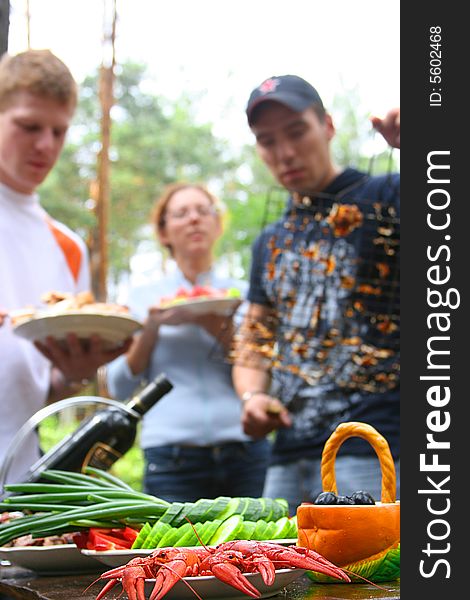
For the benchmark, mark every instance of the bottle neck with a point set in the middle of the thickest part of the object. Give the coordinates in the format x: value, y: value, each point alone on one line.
x: 150, y: 395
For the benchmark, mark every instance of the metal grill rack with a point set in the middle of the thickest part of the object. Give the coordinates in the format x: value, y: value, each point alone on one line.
x: 337, y: 293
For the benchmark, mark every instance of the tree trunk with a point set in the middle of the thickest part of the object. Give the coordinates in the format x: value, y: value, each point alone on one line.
x: 4, y: 25
x: 99, y: 242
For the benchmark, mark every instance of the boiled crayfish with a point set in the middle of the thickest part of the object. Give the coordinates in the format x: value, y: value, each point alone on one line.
x: 226, y: 561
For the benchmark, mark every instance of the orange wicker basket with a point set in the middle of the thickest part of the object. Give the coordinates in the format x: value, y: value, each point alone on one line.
x: 357, y: 537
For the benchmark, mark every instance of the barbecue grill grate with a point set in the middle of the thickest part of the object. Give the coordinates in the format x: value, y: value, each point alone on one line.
x: 334, y: 273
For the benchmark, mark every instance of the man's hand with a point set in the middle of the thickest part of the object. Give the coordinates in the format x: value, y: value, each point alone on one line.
x: 77, y: 361
x: 262, y: 414
x: 389, y: 127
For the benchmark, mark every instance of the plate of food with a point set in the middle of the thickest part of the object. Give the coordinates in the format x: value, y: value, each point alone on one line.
x: 50, y: 560
x: 63, y: 313
x: 204, y: 300
x: 208, y: 586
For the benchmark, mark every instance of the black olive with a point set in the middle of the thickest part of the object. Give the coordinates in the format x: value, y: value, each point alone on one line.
x: 326, y: 498
x: 362, y: 497
x: 345, y: 500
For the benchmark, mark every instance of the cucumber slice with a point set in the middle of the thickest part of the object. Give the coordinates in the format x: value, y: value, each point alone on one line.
x: 258, y: 533
x: 142, y: 536
x: 293, y: 532
x: 266, y: 513
x: 271, y: 526
x: 284, y: 504
x: 252, y: 509
x: 173, y: 535
x: 277, y: 511
x: 282, y: 529
x: 219, y: 505
x: 158, y: 531
x: 228, y: 530
x: 180, y: 518
x: 189, y: 538
x: 208, y: 530
x: 229, y: 510
x: 199, y: 509
x: 171, y: 512
x: 242, y: 504
x: 246, y: 532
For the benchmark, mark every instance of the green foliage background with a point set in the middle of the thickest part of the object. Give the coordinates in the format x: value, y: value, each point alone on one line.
x: 129, y: 468
x: 155, y: 141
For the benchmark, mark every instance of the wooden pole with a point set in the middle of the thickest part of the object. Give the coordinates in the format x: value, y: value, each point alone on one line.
x: 99, y: 262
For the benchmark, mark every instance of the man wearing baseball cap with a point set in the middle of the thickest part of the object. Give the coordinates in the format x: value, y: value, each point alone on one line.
x: 321, y: 336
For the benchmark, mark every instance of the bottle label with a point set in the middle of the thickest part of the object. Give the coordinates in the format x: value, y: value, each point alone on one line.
x: 101, y: 456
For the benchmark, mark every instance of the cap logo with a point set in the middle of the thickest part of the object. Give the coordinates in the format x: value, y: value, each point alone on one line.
x: 269, y: 86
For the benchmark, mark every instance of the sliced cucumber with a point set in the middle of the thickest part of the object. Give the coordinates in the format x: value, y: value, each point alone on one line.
x: 284, y: 504
x: 171, y: 512
x: 260, y: 529
x: 293, y: 532
x: 142, y: 536
x: 266, y: 513
x: 172, y: 536
x: 270, y: 530
x: 228, y: 530
x: 277, y: 511
x: 158, y: 531
x: 216, y: 509
x: 180, y: 518
x: 230, y: 509
x: 246, y: 532
x: 189, y: 538
x: 208, y: 530
x: 199, y: 509
x: 282, y: 529
x: 252, y: 509
x: 242, y: 504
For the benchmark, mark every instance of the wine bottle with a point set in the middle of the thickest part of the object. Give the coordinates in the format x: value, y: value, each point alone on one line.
x: 102, y: 438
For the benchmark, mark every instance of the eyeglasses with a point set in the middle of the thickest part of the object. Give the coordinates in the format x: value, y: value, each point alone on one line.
x: 184, y: 212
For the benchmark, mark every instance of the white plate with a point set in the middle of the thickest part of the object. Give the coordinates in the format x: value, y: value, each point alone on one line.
x: 116, y: 558
x: 113, y: 329
x: 51, y: 560
x: 204, y: 306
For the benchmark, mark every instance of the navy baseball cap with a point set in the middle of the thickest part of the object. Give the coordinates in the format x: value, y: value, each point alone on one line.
x: 290, y: 90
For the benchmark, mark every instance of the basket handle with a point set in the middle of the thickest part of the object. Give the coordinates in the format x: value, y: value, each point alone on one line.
x: 378, y: 443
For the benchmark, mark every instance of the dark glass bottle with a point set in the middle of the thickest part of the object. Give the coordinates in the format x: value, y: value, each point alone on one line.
x: 102, y: 438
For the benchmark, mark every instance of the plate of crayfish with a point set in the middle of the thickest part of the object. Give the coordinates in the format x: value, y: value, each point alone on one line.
x: 234, y: 569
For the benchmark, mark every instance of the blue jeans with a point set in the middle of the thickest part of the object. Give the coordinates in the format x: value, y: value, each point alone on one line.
x: 187, y: 473
x: 300, y: 481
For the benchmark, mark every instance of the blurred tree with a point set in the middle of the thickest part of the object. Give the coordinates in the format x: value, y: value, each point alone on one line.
x: 153, y: 141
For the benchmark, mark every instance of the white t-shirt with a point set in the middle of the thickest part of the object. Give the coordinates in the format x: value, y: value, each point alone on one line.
x: 37, y: 255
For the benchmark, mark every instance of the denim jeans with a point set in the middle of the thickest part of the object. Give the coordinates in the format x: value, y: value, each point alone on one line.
x: 300, y: 481
x: 187, y: 473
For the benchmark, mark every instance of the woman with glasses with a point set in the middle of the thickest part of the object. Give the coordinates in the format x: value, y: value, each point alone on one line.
x: 193, y: 443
